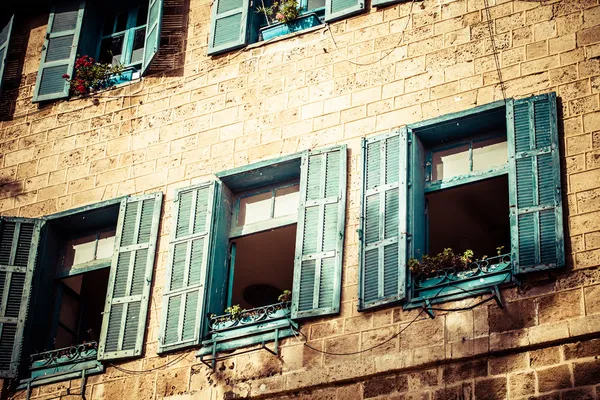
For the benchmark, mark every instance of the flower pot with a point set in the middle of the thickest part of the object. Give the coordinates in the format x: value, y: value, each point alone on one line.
x: 302, y: 22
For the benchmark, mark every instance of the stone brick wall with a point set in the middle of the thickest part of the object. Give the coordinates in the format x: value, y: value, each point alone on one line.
x: 180, y: 126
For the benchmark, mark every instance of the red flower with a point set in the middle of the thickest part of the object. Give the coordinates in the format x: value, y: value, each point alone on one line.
x: 66, y: 76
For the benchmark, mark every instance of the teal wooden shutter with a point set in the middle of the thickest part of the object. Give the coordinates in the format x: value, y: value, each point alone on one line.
x: 126, y: 306
x: 537, y: 241
x: 417, y: 214
x: 189, y: 254
x: 59, y: 51
x: 152, y: 42
x: 228, y: 25
x: 320, y: 233
x: 337, y: 9
x: 19, y: 240
x: 383, y: 220
x: 5, y: 32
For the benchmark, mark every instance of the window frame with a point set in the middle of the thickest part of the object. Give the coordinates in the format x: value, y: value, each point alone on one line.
x: 96, y: 263
x: 128, y: 38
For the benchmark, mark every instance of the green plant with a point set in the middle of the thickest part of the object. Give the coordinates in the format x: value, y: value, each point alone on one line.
x: 427, y: 266
x: 235, y: 311
x: 285, y: 296
x: 284, y: 11
x: 90, y: 76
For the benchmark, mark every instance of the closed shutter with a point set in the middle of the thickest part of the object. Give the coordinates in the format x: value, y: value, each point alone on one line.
x: 189, y: 250
x: 537, y: 241
x: 383, y: 213
x: 19, y: 240
x: 338, y: 9
x: 127, y: 298
x: 152, y: 42
x: 59, y: 51
x: 320, y: 233
x: 5, y: 32
x: 228, y: 25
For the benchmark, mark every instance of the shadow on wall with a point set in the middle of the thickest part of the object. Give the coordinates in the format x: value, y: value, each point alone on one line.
x: 9, y: 188
x: 171, y: 55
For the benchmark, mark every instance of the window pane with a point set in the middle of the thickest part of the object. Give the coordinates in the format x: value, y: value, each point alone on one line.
x: 80, y: 250
x: 111, y: 50
x: 138, y: 46
x: 286, y: 201
x: 69, y: 311
x: 255, y: 208
x: 314, y: 4
x: 121, y: 21
x: 109, y: 24
x: 489, y: 154
x: 450, y: 163
x: 142, y: 16
x: 106, y: 245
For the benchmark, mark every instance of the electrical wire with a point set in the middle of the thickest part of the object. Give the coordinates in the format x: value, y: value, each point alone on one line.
x: 410, y: 13
x: 494, y: 48
x: 145, y: 371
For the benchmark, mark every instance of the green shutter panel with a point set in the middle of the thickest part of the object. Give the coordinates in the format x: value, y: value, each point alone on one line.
x: 5, y: 32
x: 320, y: 233
x: 189, y: 251
x: 228, y: 25
x: 383, y: 220
x: 417, y: 218
x: 338, y: 9
x: 128, y: 295
x: 59, y: 51
x: 19, y: 240
x: 537, y: 241
x: 152, y: 42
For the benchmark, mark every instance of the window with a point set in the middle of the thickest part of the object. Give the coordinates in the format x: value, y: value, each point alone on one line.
x: 245, y: 238
x: 123, y: 32
x: 485, y: 180
x: 235, y: 24
x: 6, y: 24
x: 87, y: 295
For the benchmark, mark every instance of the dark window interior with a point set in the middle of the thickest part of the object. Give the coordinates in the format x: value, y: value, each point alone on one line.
x: 264, y: 266
x: 470, y: 217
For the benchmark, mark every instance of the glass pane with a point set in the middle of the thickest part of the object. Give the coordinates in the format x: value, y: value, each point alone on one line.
x: 63, y: 338
x: 80, y: 251
x: 111, y: 50
x: 121, y: 22
x: 286, y: 201
x: 106, y: 245
x: 450, y: 163
x: 138, y: 46
x: 489, y: 154
x: 69, y: 311
x: 109, y: 24
x: 255, y: 208
x: 314, y: 4
x: 142, y: 16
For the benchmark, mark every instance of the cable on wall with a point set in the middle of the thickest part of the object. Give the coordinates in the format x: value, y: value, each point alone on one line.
x: 494, y: 48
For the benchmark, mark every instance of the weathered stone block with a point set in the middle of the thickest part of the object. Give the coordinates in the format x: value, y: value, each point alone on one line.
x: 385, y: 385
x: 554, y: 378
x: 491, y: 388
x: 586, y: 373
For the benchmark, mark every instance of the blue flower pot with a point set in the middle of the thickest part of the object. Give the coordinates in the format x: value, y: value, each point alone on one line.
x: 303, y: 22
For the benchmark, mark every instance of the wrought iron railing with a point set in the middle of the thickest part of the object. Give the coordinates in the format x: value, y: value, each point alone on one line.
x: 480, y: 274
x: 250, y: 317
x: 67, y: 355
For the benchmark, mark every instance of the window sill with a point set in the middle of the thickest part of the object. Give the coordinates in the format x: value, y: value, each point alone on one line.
x: 62, y: 364
x: 258, y: 325
x: 284, y: 37
x: 300, y: 24
x: 450, y: 285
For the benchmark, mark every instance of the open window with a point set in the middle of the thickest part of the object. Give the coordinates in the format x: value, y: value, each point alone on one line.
x: 255, y: 251
x: 460, y: 204
x: 123, y: 32
x: 90, y: 288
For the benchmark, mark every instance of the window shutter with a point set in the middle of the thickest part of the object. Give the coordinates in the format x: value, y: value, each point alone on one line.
x: 337, y: 9
x: 417, y: 215
x: 189, y: 254
x: 537, y: 241
x: 228, y: 25
x: 152, y: 43
x: 59, y: 51
x: 5, y: 32
x: 383, y: 220
x: 128, y: 294
x: 320, y: 233
x: 19, y: 240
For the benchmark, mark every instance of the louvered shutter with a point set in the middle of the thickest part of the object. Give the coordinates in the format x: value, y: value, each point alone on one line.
x: 228, y: 25
x: 383, y: 212
x: 127, y: 298
x: 19, y: 240
x: 415, y: 194
x: 152, y: 42
x: 537, y: 241
x: 5, y: 32
x: 185, y: 285
x: 337, y: 9
x: 59, y: 51
x: 320, y: 233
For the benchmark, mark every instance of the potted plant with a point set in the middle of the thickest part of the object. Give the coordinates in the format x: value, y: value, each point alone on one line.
x: 91, y: 76
x: 285, y: 17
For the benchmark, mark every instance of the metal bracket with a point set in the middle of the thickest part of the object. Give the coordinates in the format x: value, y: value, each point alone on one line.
x: 28, y: 391
x: 498, y: 296
x: 427, y: 308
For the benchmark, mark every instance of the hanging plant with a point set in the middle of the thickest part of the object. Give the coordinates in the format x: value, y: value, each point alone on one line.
x: 90, y: 76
